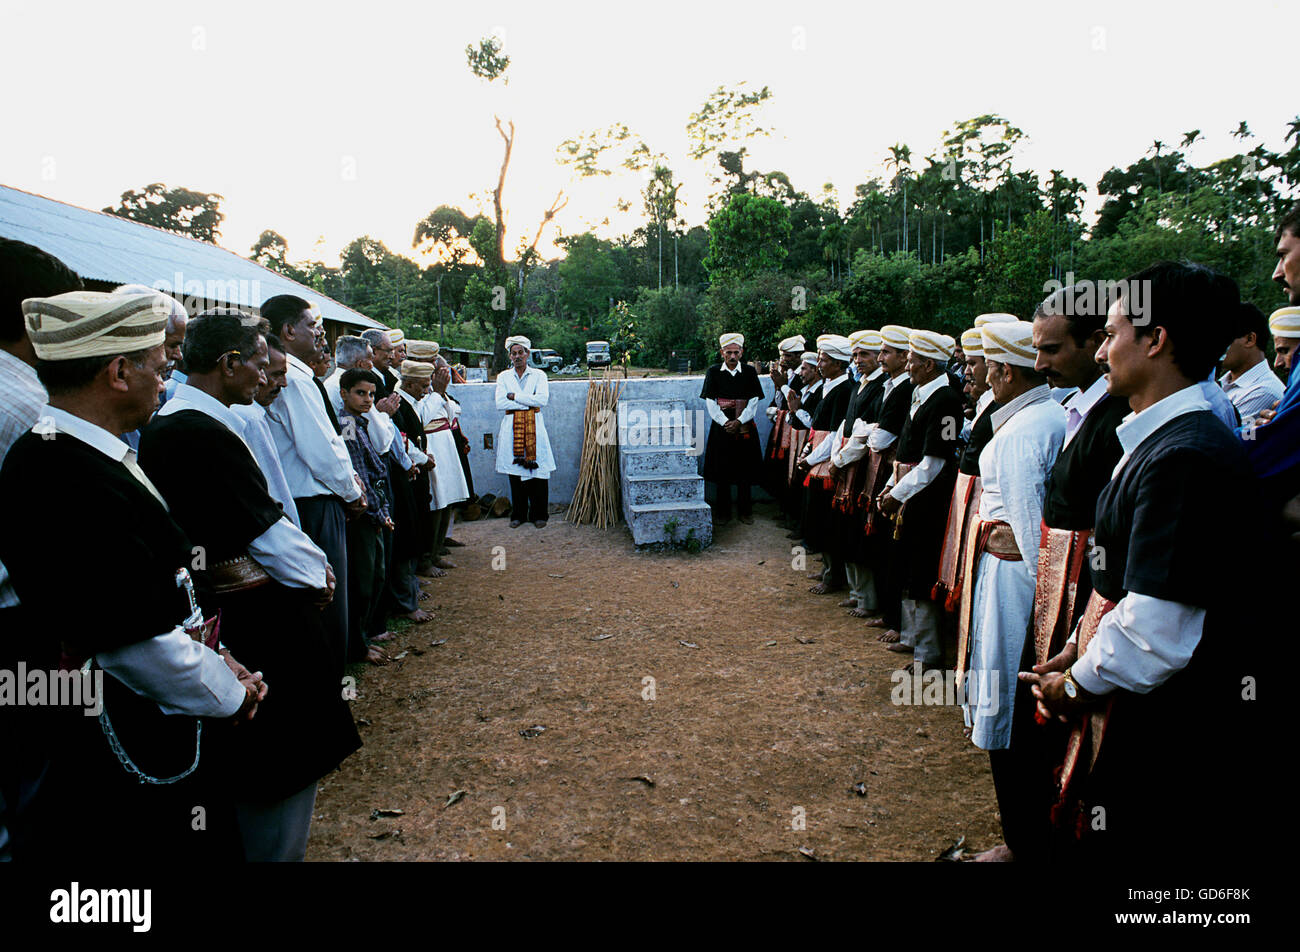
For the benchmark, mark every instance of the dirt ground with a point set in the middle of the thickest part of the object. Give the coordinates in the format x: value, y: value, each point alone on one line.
x: 749, y: 750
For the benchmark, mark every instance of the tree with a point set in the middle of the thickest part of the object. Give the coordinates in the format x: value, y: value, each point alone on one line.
x: 489, y: 63
x: 748, y: 235
x: 182, y: 210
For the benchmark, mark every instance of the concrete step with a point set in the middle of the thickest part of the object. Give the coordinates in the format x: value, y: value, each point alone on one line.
x: 648, y: 522
x: 657, y: 461
x: 650, y: 490
x: 658, y: 423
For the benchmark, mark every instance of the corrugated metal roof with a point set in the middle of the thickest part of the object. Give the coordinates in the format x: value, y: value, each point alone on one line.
x: 103, y: 247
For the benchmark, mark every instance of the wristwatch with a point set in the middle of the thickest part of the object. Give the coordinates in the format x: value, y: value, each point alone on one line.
x: 1070, y: 687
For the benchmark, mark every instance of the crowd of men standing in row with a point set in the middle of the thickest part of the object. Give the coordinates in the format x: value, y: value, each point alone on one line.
x: 209, y: 523
x: 1098, y: 504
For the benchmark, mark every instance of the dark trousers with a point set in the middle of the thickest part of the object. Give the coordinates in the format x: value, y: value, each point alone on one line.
x: 324, y: 522
x: 1022, y: 775
x: 528, y: 496
x: 722, y: 504
x: 366, y: 584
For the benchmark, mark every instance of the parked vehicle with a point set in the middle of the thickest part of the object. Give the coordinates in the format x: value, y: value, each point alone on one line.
x: 543, y: 358
x: 598, y: 353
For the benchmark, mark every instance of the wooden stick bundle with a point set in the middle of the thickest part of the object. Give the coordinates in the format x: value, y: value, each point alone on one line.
x: 596, y: 500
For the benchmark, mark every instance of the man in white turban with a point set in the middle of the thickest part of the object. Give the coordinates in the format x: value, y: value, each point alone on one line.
x: 998, y: 593
x: 731, y: 393
x: 100, y: 357
x: 523, y: 448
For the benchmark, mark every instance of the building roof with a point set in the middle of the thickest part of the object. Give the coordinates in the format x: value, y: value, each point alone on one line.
x: 103, y: 247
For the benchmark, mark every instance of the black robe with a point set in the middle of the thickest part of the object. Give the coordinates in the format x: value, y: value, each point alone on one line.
x: 848, y: 540
x: 218, y: 494
x: 732, y: 459
x: 934, y: 430
x: 819, y: 519
x: 1189, y: 749
x: 981, y: 431
x: 1083, y: 469
x: 93, y: 556
x: 417, y: 536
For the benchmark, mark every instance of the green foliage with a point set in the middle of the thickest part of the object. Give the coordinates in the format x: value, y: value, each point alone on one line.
x: 589, y: 279
x: 182, y: 210
x: 728, y: 115
x: 669, y: 323
x: 486, y: 61
x: 747, y: 236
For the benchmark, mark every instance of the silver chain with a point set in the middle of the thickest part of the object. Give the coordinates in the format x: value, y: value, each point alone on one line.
x: 125, y: 760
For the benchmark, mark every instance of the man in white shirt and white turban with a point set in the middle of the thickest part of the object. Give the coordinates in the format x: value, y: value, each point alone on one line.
x: 523, y: 448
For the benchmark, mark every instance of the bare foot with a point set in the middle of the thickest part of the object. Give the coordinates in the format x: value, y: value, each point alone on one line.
x: 858, y: 613
x: 425, y: 596
x: 824, y: 588
x: 444, y: 564
x: 816, y: 576
x: 888, y: 637
x: 375, y: 656
x: 875, y: 621
x: 899, y: 647
x: 417, y: 616
x: 435, y: 572
x: 999, y: 854
x: 386, y: 636
x: 849, y: 603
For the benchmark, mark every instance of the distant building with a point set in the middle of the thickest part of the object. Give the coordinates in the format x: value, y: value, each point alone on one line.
x: 106, y: 251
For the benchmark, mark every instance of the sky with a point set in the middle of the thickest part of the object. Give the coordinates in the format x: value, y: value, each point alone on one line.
x: 326, y: 121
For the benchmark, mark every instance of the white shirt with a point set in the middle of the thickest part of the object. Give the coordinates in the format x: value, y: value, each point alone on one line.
x: 314, y: 457
x: 1143, y: 641
x: 1080, y: 405
x: 823, y: 449
x: 928, y: 470
x: 1219, y: 403
x: 530, y: 390
x: 22, y: 398
x: 257, y: 434
x: 803, y: 416
x: 172, y: 669
x: 880, y: 439
x: 1253, y: 391
x: 283, y: 550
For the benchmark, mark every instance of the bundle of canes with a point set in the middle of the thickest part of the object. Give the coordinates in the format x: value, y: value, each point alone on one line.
x: 596, y: 500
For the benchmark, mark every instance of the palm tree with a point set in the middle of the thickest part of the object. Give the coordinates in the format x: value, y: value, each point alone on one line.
x: 900, y: 157
x: 1156, y: 147
x: 1190, y: 139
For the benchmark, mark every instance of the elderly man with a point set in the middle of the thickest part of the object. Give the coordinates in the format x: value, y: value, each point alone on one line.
x: 438, y: 413
x: 177, y: 321
x: 1028, y: 429
x: 416, y: 377
x: 381, y: 361
x: 924, y: 474
x: 264, y: 577
x: 315, y: 459
x: 257, y: 428
x: 1153, y: 678
x: 523, y: 448
x: 731, y: 393
x: 124, y: 783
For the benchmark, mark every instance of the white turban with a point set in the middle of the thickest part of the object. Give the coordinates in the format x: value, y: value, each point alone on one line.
x: 809, y: 357
x: 96, y: 324
x: 396, y: 336
x: 836, y: 347
x: 1010, y: 343
x: 791, y: 345
x: 866, y: 340
x: 422, y: 349
x: 972, y: 342
x: 998, y: 318
x: 931, y: 344
x: 1285, y: 322
x: 895, y: 336
x: 510, y: 342
x: 417, y: 369
x: 727, y: 339
x: 177, y: 309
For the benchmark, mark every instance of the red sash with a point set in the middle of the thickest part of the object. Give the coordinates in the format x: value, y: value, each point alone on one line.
x: 963, y: 512
x: 819, y: 475
x: 525, y: 437
x: 1092, y: 728
x: 876, y: 473
x: 778, y: 444
x: 997, y: 539
x: 1062, y: 554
